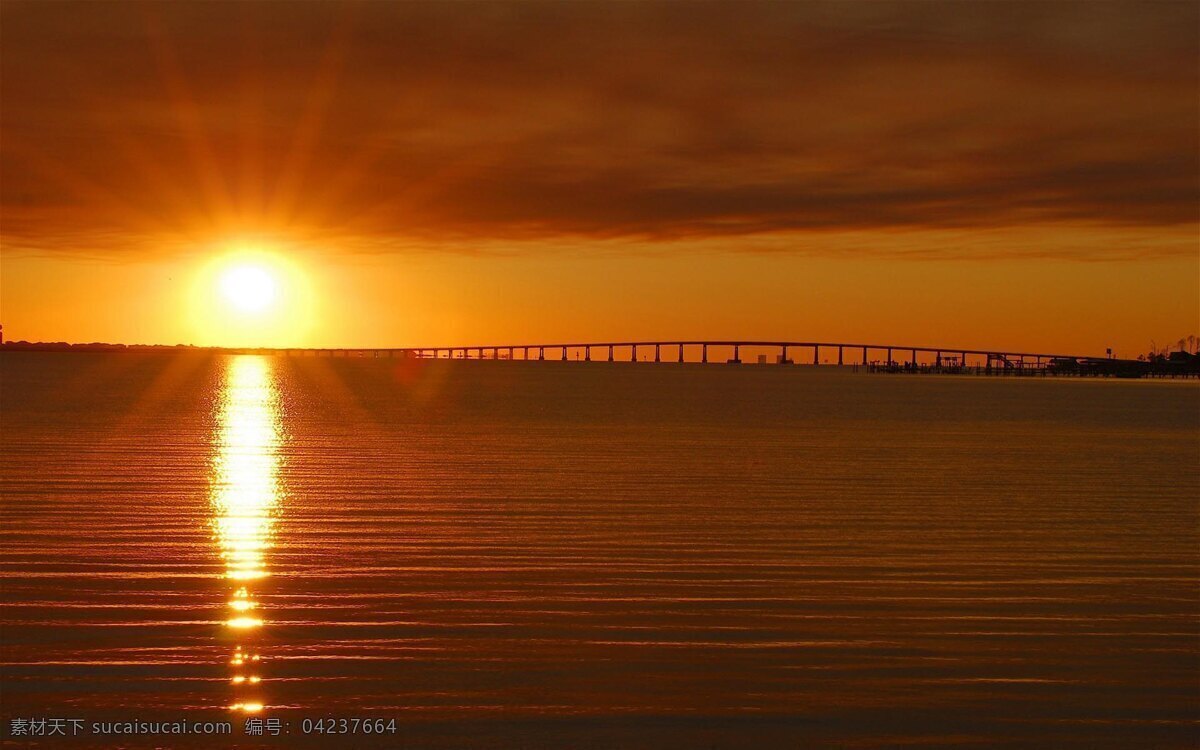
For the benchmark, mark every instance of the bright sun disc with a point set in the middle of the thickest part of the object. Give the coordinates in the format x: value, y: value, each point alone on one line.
x: 248, y: 288
x: 250, y: 296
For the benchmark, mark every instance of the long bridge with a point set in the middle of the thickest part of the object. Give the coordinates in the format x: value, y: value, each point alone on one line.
x: 729, y: 351
x: 875, y: 357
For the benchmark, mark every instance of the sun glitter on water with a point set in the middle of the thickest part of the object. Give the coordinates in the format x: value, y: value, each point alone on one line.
x: 245, y: 500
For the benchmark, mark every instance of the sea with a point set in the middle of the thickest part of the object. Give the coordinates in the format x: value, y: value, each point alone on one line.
x: 206, y: 550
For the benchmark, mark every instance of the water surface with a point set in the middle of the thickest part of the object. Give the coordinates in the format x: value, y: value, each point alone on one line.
x: 504, y: 554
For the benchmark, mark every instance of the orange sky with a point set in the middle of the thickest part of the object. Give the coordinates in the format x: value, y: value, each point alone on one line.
x: 985, y: 174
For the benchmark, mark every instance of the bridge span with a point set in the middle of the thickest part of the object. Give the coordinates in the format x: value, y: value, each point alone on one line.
x: 728, y: 351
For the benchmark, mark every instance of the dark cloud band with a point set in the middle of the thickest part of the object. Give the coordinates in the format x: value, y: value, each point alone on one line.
x: 398, y: 123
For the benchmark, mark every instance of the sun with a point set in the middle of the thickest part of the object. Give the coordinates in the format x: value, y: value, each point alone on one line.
x: 251, y: 295
x: 248, y: 288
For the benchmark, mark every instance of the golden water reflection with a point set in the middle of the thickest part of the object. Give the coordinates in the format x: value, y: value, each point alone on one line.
x: 245, y: 500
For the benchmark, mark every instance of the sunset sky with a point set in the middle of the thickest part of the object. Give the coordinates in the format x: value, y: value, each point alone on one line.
x: 971, y: 174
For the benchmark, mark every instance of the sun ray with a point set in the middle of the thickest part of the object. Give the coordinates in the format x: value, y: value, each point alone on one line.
x: 308, y: 129
x: 188, y: 115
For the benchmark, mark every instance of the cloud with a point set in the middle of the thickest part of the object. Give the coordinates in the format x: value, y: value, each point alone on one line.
x: 380, y: 127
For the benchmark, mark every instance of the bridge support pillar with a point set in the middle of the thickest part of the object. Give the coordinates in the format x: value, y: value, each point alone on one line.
x: 937, y: 361
x: 864, y: 355
x: 914, y: 357
x: 680, y: 352
x: 564, y: 356
x: 816, y: 355
x: 704, y: 353
x: 839, y: 356
x: 633, y: 353
x: 657, y: 354
x: 610, y: 352
x: 541, y: 353
x: 737, y: 358
x: 587, y: 354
